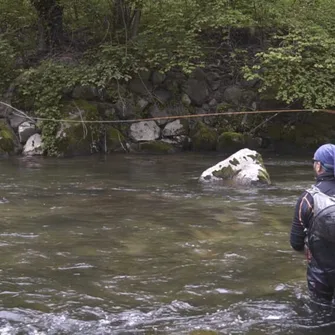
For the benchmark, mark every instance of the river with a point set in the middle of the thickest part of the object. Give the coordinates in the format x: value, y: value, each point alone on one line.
x: 131, y: 244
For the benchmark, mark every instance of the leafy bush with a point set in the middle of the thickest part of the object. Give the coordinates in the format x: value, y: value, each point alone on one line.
x: 7, y: 64
x: 300, y: 69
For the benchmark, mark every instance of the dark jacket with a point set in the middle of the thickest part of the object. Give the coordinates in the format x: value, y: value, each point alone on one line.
x: 303, y: 213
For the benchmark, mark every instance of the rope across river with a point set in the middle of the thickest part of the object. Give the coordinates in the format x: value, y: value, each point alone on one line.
x: 172, y: 117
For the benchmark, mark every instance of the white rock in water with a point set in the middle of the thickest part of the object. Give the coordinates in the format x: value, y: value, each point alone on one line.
x: 245, y: 167
x: 25, y: 130
x: 34, y: 146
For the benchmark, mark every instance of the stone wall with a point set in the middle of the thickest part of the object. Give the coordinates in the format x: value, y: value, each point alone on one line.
x: 156, y: 95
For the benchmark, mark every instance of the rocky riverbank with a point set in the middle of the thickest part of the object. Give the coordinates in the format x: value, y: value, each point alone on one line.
x: 155, y: 95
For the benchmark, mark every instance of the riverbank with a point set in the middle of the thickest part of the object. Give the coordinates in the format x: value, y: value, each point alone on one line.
x: 100, y: 122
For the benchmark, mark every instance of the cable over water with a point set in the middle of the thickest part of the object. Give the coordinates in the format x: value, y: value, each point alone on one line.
x: 172, y: 117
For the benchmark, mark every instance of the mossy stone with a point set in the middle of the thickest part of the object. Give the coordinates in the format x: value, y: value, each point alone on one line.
x: 80, y: 138
x: 203, y: 137
x: 75, y: 141
x: 7, y: 138
x: 115, y: 141
x: 156, y: 147
x: 230, y: 141
x: 226, y: 173
x: 263, y: 177
x: 88, y: 109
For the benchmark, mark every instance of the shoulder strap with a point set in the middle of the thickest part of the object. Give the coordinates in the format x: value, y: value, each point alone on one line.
x: 321, y: 200
x: 313, y: 190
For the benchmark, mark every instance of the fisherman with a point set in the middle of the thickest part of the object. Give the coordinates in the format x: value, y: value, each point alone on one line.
x: 313, y: 227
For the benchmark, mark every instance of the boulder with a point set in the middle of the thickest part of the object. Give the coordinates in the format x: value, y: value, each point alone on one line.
x: 15, y: 120
x: 140, y: 86
x: 144, y: 131
x: 125, y: 109
x: 141, y: 104
x: 163, y: 96
x: 174, y: 128
x: 245, y: 167
x: 157, y: 77
x: 114, y: 140
x: 203, y: 137
x: 230, y: 141
x: 185, y: 99
x: 197, y: 90
x: 233, y: 94
x: 156, y: 112
x: 34, y: 146
x: 9, y: 143
x: 86, y: 92
x: 76, y: 139
x: 26, y: 129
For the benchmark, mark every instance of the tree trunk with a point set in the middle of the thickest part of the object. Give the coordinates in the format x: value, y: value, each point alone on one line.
x: 126, y: 18
x: 50, y: 14
x: 135, y: 23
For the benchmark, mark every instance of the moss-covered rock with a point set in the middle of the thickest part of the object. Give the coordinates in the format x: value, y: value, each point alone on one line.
x: 245, y: 167
x: 203, y: 137
x: 114, y: 140
x: 230, y: 141
x: 156, y: 147
x: 8, y: 141
x: 263, y: 176
x: 252, y: 142
x: 75, y: 107
x: 85, y: 92
x: 226, y: 173
x: 76, y: 138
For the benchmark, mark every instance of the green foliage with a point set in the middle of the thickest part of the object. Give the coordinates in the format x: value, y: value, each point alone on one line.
x: 300, y: 69
x: 169, y: 37
x: 47, y: 84
x: 17, y: 28
x: 110, y: 41
x: 7, y: 64
x: 7, y: 138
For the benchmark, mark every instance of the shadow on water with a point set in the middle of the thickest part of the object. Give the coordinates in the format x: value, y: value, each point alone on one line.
x: 135, y: 245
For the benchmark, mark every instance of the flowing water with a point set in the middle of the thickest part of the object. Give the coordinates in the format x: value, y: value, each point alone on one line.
x: 135, y: 245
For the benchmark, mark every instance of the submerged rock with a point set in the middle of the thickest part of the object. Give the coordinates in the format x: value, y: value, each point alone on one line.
x: 245, y: 167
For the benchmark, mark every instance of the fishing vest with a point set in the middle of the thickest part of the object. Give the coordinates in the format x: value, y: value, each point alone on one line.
x: 321, y: 233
